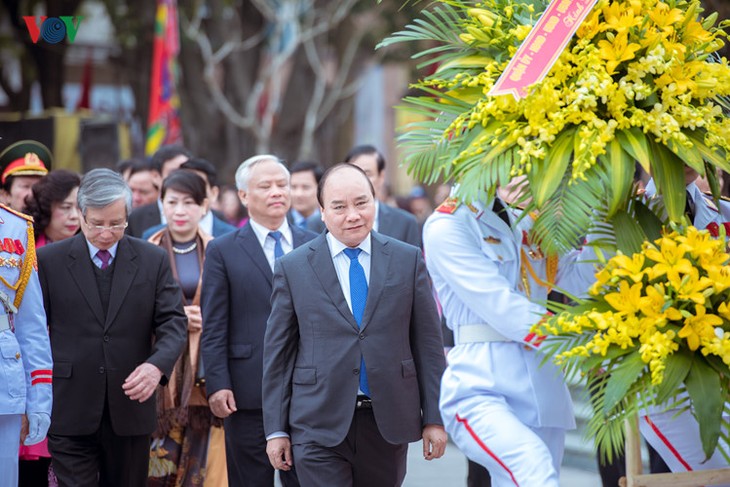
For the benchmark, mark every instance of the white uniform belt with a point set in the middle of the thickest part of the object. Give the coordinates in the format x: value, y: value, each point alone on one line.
x: 477, y: 334
x: 4, y: 323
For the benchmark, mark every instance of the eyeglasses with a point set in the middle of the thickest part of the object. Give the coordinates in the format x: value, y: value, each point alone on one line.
x: 111, y: 228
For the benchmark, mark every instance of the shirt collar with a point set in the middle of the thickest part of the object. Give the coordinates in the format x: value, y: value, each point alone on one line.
x: 93, y: 249
x: 262, y: 232
x: 336, y: 247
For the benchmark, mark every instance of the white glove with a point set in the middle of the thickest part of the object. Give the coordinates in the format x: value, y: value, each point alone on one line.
x: 38, y: 424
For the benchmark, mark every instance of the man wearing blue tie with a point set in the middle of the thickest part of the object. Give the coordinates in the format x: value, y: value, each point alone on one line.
x: 235, y: 305
x: 353, y: 349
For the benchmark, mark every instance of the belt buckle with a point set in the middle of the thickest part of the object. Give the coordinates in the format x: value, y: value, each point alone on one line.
x: 364, y: 403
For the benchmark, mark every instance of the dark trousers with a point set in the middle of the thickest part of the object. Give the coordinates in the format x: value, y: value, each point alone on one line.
x: 246, y: 459
x: 478, y: 476
x: 103, y: 458
x: 612, y: 472
x: 33, y: 473
x: 363, y: 459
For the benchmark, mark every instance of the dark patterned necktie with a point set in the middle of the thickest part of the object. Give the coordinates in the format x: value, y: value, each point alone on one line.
x: 104, y: 256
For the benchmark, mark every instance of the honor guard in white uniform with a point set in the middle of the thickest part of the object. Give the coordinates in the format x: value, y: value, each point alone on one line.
x: 500, y: 406
x: 675, y: 435
x: 25, y: 351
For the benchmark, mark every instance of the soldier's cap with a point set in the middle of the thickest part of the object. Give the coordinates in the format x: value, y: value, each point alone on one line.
x: 25, y: 158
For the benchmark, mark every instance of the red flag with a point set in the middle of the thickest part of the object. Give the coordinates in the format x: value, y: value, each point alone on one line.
x: 84, y: 100
x: 163, y: 123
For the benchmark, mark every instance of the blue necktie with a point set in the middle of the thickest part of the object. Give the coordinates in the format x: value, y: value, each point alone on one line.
x: 278, y: 250
x: 358, y: 298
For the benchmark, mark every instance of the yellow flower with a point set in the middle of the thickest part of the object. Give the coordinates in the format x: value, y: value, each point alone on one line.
x: 654, y: 350
x: 698, y: 242
x: 720, y: 347
x: 629, y: 266
x: 695, y: 33
x: 691, y: 287
x: 669, y: 260
x: 698, y: 327
x: 720, y: 277
x: 627, y: 300
x: 590, y: 27
x: 616, y: 52
x: 656, y: 300
x: 618, y: 18
x: 724, y: 310
x: 665, y: 17
x: 681, y: 75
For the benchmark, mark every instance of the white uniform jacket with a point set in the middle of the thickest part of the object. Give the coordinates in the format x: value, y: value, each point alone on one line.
x: 25, y: 351
x: 474, y: 259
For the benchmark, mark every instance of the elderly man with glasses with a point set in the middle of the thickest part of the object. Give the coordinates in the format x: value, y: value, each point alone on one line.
x: 117, y: 327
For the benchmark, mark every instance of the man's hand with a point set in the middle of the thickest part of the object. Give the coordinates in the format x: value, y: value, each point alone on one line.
x: 434, y: 441
x: 279, y: 452
x: 142, y: 382
x: 195, y: 318
x: 23, y: 428
x: 38, y: 424
x: 222, y: 403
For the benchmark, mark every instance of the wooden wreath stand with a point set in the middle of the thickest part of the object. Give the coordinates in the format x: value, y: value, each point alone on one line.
x: 635, y: 477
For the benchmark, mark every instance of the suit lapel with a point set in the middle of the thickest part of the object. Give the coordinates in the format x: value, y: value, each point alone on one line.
x: 379, y: 264
x: 79, y: 266
x: 125, y: 268
x: 321, y: 261
x: 250, y: 244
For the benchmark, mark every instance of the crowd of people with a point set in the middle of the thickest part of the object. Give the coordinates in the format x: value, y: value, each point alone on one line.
x: 158, y: 329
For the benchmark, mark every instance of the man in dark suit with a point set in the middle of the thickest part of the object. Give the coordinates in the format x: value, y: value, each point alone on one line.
x: 117, y: 327
x: 389, y: 221
x: 235, y: 303
x: 353, y: 352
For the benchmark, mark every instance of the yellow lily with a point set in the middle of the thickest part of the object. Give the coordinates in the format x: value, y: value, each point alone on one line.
x: 665, y: 17
x: 590, y: 27
x: 720, y: 277
x: 681, y: 75
x: 669, y: 260
x: 698, y: 327
x: 724, y: 311
x: 653, y: 305
x: 627, y: 300
x: 691, y: 287
x: 629, y: 266
x: 619, y: 18
x: 694, y: 33
x: 616, y: 52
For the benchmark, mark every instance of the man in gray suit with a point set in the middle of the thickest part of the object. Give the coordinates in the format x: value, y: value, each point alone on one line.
x: 388, y: 220
x: 353, y: 351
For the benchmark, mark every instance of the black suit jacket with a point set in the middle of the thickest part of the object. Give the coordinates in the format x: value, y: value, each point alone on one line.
x: 142, y: 218
x: 93, y: 354
x: 235, y: 302
x: 392, y: 222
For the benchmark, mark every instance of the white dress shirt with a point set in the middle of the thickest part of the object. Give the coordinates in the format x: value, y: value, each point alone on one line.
x: 268, y: 243
x: 342, y: 262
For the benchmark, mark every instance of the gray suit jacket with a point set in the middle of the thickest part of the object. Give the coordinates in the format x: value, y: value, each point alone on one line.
x: 392, y: 222
x: 313, y: 346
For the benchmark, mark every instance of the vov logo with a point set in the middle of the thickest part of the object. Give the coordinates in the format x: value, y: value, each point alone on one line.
x: 52, y: 29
